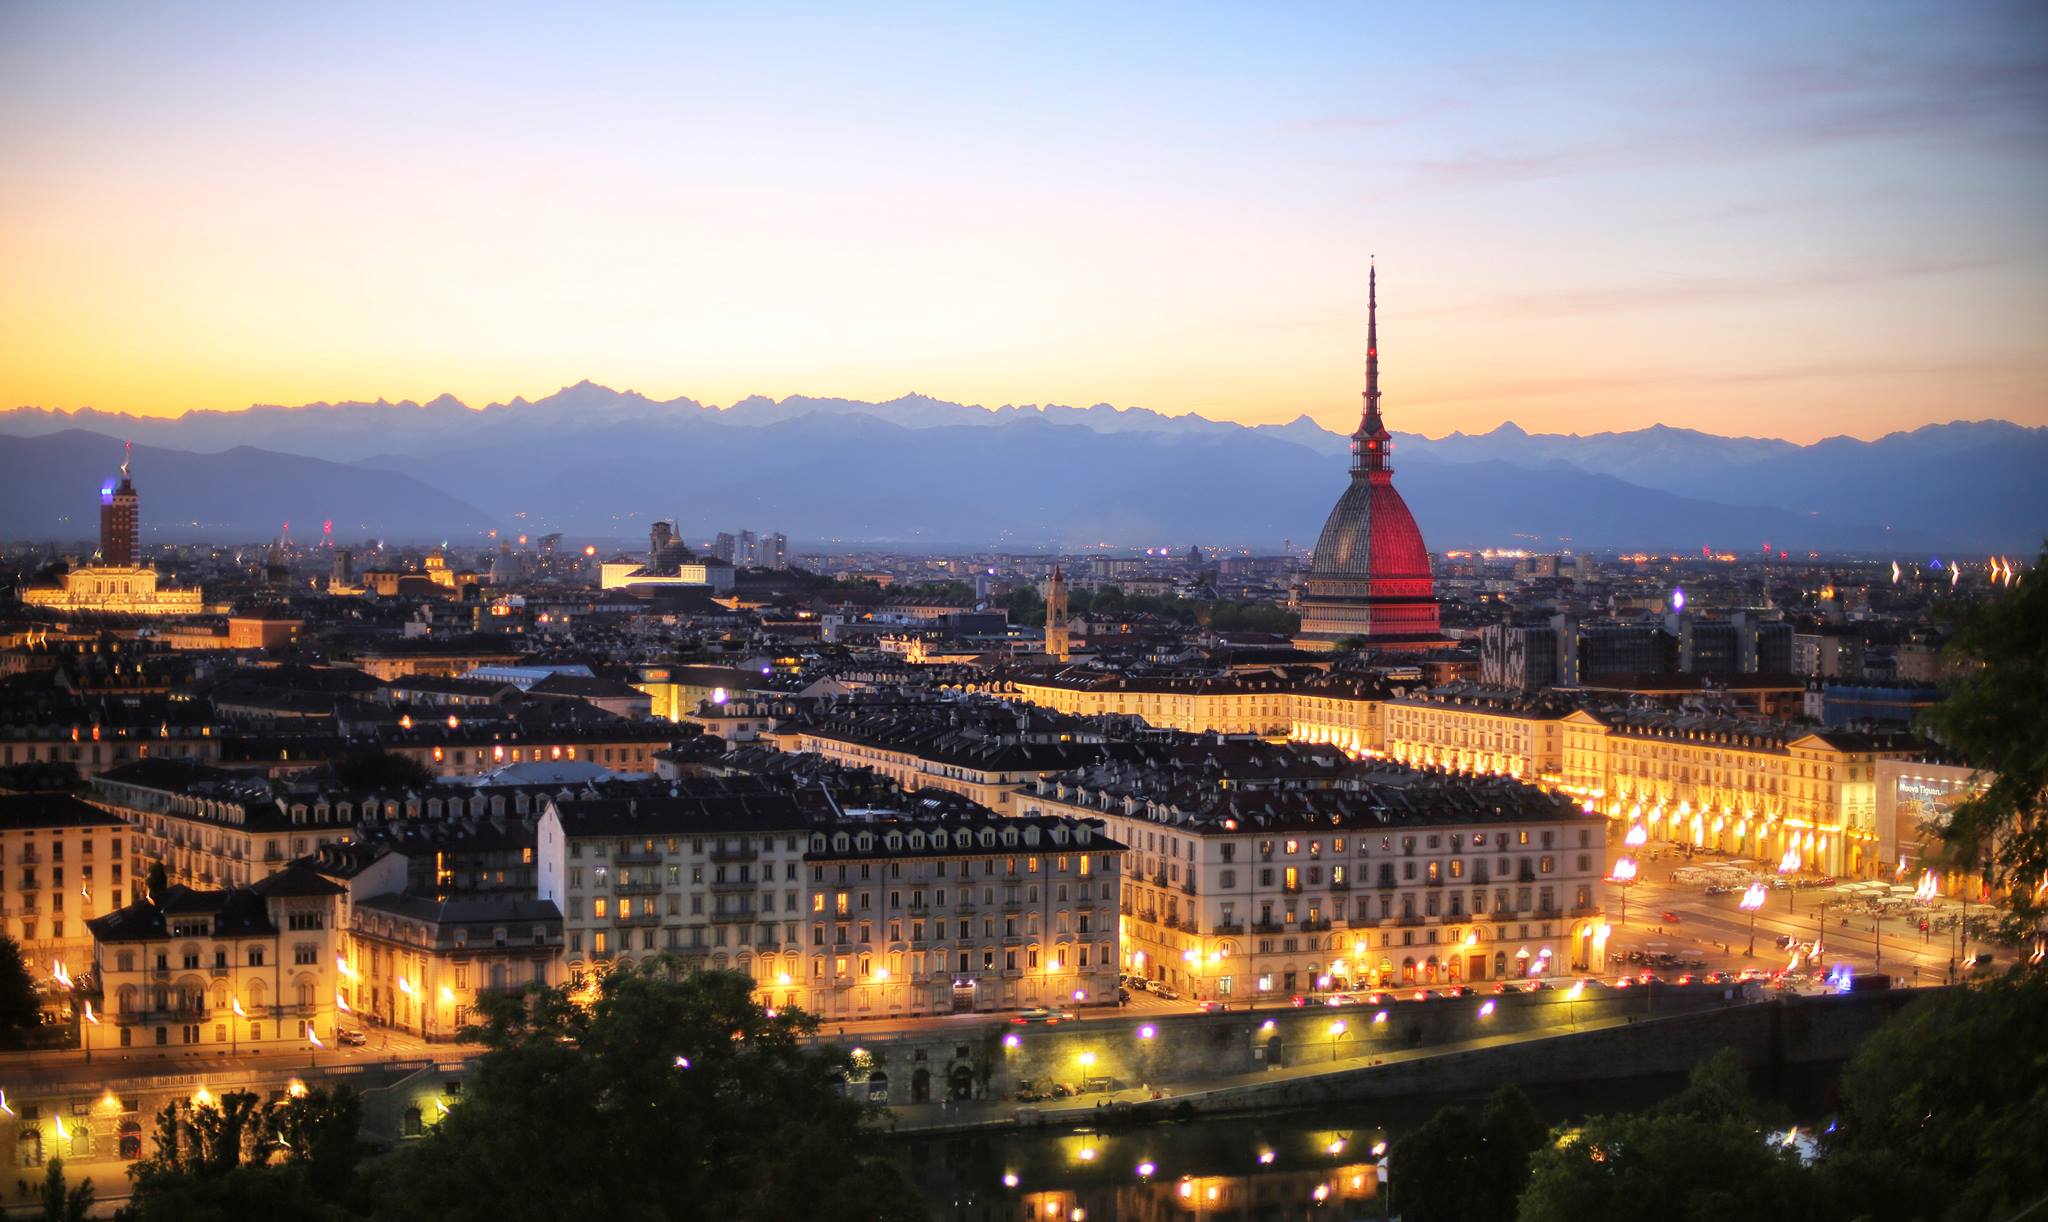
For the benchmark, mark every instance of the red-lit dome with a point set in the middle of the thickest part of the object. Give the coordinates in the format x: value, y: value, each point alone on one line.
x: 1369, y: 577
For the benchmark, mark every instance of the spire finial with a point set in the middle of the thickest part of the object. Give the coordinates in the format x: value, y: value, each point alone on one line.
x: 127, y: 456
x: 1369, y: 445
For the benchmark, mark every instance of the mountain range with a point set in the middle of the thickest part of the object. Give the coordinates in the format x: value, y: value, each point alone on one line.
x: 593, y: 461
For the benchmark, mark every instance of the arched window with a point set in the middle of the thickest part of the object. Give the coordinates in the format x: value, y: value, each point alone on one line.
x: 411, y: 1125
x: 28, y: 1148
x: 131, y: 1140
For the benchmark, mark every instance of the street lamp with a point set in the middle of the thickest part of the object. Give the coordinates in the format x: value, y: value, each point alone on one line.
x: 1336, y: 1031
x: 1788, y: 866
x: 1752, y: 900
x: 1624, y: 876
x: 1637, y: 837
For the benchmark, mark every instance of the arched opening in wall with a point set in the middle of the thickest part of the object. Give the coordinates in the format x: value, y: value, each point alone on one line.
x: 1500, y: 963
x: 1452, y: 973
x: 1408, y: 970
x: 131, y: 1141
x: 411, y: 1125
x: 960, y: 1083
x: 28, y: 1148
x: 1429, y: 970
x: 878, y: 1087
x: 1273, y: 1049
x: 921, y: 1086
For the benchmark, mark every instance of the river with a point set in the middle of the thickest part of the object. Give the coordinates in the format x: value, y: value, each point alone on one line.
x: 1300, y: 1165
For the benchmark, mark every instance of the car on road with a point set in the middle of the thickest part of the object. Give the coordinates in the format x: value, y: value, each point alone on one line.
x: 1718, y: 978
x: 1167, y: 991
x: 1456, y: 990
x: 1751, y: 973
x: 1042, y: 1014
x: 1213, y: 1007
x: 352, y: 1038
x: 1671, y: 918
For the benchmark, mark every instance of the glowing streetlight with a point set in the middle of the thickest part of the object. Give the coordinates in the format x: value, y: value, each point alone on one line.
x: 1752, y: 900
x: 1623, y: 876
x: 1637, y: 837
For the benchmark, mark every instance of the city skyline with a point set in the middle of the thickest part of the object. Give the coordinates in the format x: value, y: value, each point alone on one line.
x: 1778, y: 224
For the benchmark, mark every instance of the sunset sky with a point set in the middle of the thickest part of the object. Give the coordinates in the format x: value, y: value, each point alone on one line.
x: 1789, y: 220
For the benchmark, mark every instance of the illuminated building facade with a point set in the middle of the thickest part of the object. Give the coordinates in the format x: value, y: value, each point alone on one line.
x: 1471, y: 728
x: 1261, y: 872
x: 247, y: 967
x: 420, y: 964
x: 871, y: 914
x: 61, y: 864
x: 1757, y: 788
x: 942, y: 914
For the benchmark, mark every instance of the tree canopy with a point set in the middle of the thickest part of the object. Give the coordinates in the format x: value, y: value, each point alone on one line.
x: 373, y: 769
x: 1996, y: 716
x: 1458, y: 1166
x: 20, y: 1008
x: 665, y: 1096
x: 1704, y: 1156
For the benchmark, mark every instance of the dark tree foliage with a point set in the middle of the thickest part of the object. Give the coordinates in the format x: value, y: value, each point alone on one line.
x: 373, y: 769
x: 1946, y: 1108
x: 227, y: 1156
x: 1458, y: 1166
x: 20, y: 1008
x: 1996, y: 715
x: 158, y: 879
x: 1702, y: 1157
x: 62, y: 1203
x: 666, y: 1097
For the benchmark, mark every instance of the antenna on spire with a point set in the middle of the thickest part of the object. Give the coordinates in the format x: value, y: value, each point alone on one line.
x: 127, y: 456
x: 1371, y: 443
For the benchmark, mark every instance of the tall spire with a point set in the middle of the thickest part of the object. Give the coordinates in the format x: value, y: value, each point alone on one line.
x: 1371, y: 443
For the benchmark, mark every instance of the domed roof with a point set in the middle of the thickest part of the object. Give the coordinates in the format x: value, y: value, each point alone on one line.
x: 1370, y: 534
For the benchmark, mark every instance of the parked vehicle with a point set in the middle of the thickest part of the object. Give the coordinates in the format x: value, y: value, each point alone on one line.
x: 354, y: 1039
x: 1214, y: 1007
x: 1166, y: 991
x: 1041, y: 1014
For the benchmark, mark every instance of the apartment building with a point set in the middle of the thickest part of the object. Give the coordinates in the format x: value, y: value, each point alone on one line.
x: 946, y: 912
x: 210, y: 827
x: 982, y: 752
x: 242, y: 967
x: 1256, y: 871
x: 1260, y: 704
x: 1468, y: 727
x: 419, y: 964
x: 61, y: 864
x: 712, y: 873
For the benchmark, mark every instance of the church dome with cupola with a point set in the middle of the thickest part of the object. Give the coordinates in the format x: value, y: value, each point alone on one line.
x: 1369, y: 578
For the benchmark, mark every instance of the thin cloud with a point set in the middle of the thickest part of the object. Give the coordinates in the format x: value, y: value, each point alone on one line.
x: 1678, y: 291
x: 1777, y: 109
x: 1545, y: 388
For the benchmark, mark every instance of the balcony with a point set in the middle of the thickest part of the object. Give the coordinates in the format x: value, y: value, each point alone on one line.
x: 638, y: 857
x: 639, y: 919
x: 721, y: 853
x: 651, y: 886
x: 1159, y: 880
x: 732, y: 884
x: 1409, y: 918
x: 1386, y: 883
x: 1229, y: 928
x: 1318, y: 926
x: 1293, y: 888
x: 1266, y: 927
x: 1340, y: 884
x: 1188, y: 888
x: 745, y: 916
